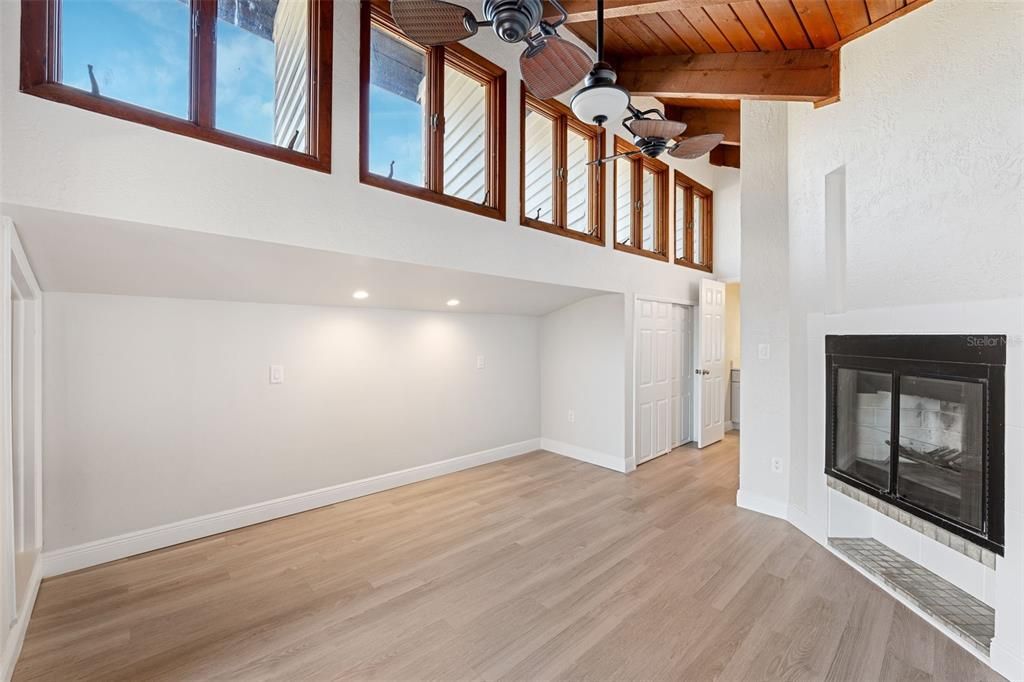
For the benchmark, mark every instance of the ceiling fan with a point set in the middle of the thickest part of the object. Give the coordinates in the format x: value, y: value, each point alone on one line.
x: 654, y: 135
x: 549, y: 64
x: 602, y: 100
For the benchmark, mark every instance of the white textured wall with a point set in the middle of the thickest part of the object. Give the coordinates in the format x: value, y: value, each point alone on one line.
x: 727, y: 223
x: 581, y: 369
x: 930, y: 131
x: 764, y: 396
x: 159, y: 410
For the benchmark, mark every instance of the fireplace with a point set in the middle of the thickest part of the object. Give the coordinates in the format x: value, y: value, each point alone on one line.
x: 917, y: 421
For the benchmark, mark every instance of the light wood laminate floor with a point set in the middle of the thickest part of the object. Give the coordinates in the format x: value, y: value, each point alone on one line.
x: 537, y: 567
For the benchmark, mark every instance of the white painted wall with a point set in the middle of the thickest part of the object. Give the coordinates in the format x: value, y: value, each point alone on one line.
x: 764, y: 308
x: 160, y: 410
x: 930, y: 131
x: 727, y: 223
x: 63, y: 158
x: 582, y: 347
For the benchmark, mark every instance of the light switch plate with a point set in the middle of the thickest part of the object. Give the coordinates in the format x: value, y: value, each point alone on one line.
x: 480, y: 362
x: 277, y: 374
x: 572, y: 416
x: 764, y: 351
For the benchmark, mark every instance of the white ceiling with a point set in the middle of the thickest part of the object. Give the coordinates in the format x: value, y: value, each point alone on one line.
x: 85, y: 254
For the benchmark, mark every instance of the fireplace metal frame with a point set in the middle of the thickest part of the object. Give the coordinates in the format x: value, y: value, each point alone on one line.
x: 978, y: 358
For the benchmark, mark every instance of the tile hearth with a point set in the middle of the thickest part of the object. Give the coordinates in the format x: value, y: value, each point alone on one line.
x: 929, y: 530
x: 938, y: 597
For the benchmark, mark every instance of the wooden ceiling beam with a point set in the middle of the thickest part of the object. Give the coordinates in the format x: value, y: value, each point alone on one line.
x: 586, y: 10
x: 725, y: 155
x: 702, y: 121
x: 794, y: 75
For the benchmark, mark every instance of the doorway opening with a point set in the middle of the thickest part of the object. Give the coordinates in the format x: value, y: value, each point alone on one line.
x: 21, y: 510
x: 686, y: 371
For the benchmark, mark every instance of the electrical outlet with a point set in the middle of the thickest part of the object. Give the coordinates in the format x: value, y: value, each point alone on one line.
x: 480, y: 362
x: 764, y: 351
x: 777, y: 465
x: 572, y: 416
x: 277, y: 374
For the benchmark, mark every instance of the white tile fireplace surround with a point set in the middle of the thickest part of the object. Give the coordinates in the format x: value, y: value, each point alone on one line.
x: 916, y: 422
x: 827, y: 512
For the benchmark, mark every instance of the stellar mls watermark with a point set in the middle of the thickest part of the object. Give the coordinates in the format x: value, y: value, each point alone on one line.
x: 992, y: 341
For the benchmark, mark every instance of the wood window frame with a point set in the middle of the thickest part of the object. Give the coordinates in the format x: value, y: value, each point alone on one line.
x: 41, y: 73
x: 375, y: 12
x: 690, y: 189
x: 564, y: 121
x: 660, y: 170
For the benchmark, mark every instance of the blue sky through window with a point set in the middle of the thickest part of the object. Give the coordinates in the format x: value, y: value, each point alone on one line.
x: 139, y: 50
x: 396, y: 134
x: 245, y: 82
x: 140, y: 53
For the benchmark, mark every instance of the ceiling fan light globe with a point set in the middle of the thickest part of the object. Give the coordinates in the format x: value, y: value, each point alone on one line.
x: 600, y: 102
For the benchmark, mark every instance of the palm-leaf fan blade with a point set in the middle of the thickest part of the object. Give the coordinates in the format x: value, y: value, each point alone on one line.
x: 433, y: 22
x: 553, y: 65
x: 696, y: 147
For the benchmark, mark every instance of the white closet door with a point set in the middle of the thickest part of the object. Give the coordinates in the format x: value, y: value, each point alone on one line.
x: 654, y: 379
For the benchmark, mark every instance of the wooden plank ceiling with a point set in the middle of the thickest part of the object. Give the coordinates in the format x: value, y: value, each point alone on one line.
x: 700, y: 57
x: 669, y: 27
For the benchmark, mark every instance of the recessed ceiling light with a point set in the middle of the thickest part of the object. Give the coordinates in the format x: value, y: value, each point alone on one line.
x: 452, y: 302
x: 360, y: 294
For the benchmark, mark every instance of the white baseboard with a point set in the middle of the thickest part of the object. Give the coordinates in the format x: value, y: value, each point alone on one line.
x: 761, y: 504
x: 601, y: 459
x: 16, y: 637
x: 98, y: 552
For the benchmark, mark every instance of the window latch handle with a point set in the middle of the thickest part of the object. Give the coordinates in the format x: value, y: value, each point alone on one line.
x: 561, y: 173
x: 434, y: 118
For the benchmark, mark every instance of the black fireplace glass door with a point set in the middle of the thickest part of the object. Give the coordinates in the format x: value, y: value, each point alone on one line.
x: 941, y: 445
x: 863, y: 423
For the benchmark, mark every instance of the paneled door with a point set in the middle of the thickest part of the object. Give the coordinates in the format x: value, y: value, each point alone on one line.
x: 709, y: 379
x: 654, y: 379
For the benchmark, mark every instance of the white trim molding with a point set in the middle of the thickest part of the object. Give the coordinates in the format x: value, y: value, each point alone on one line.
x: 762, y: 504
x: 16, y: 635
x: 601, y: 459
x: 69, y: 559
